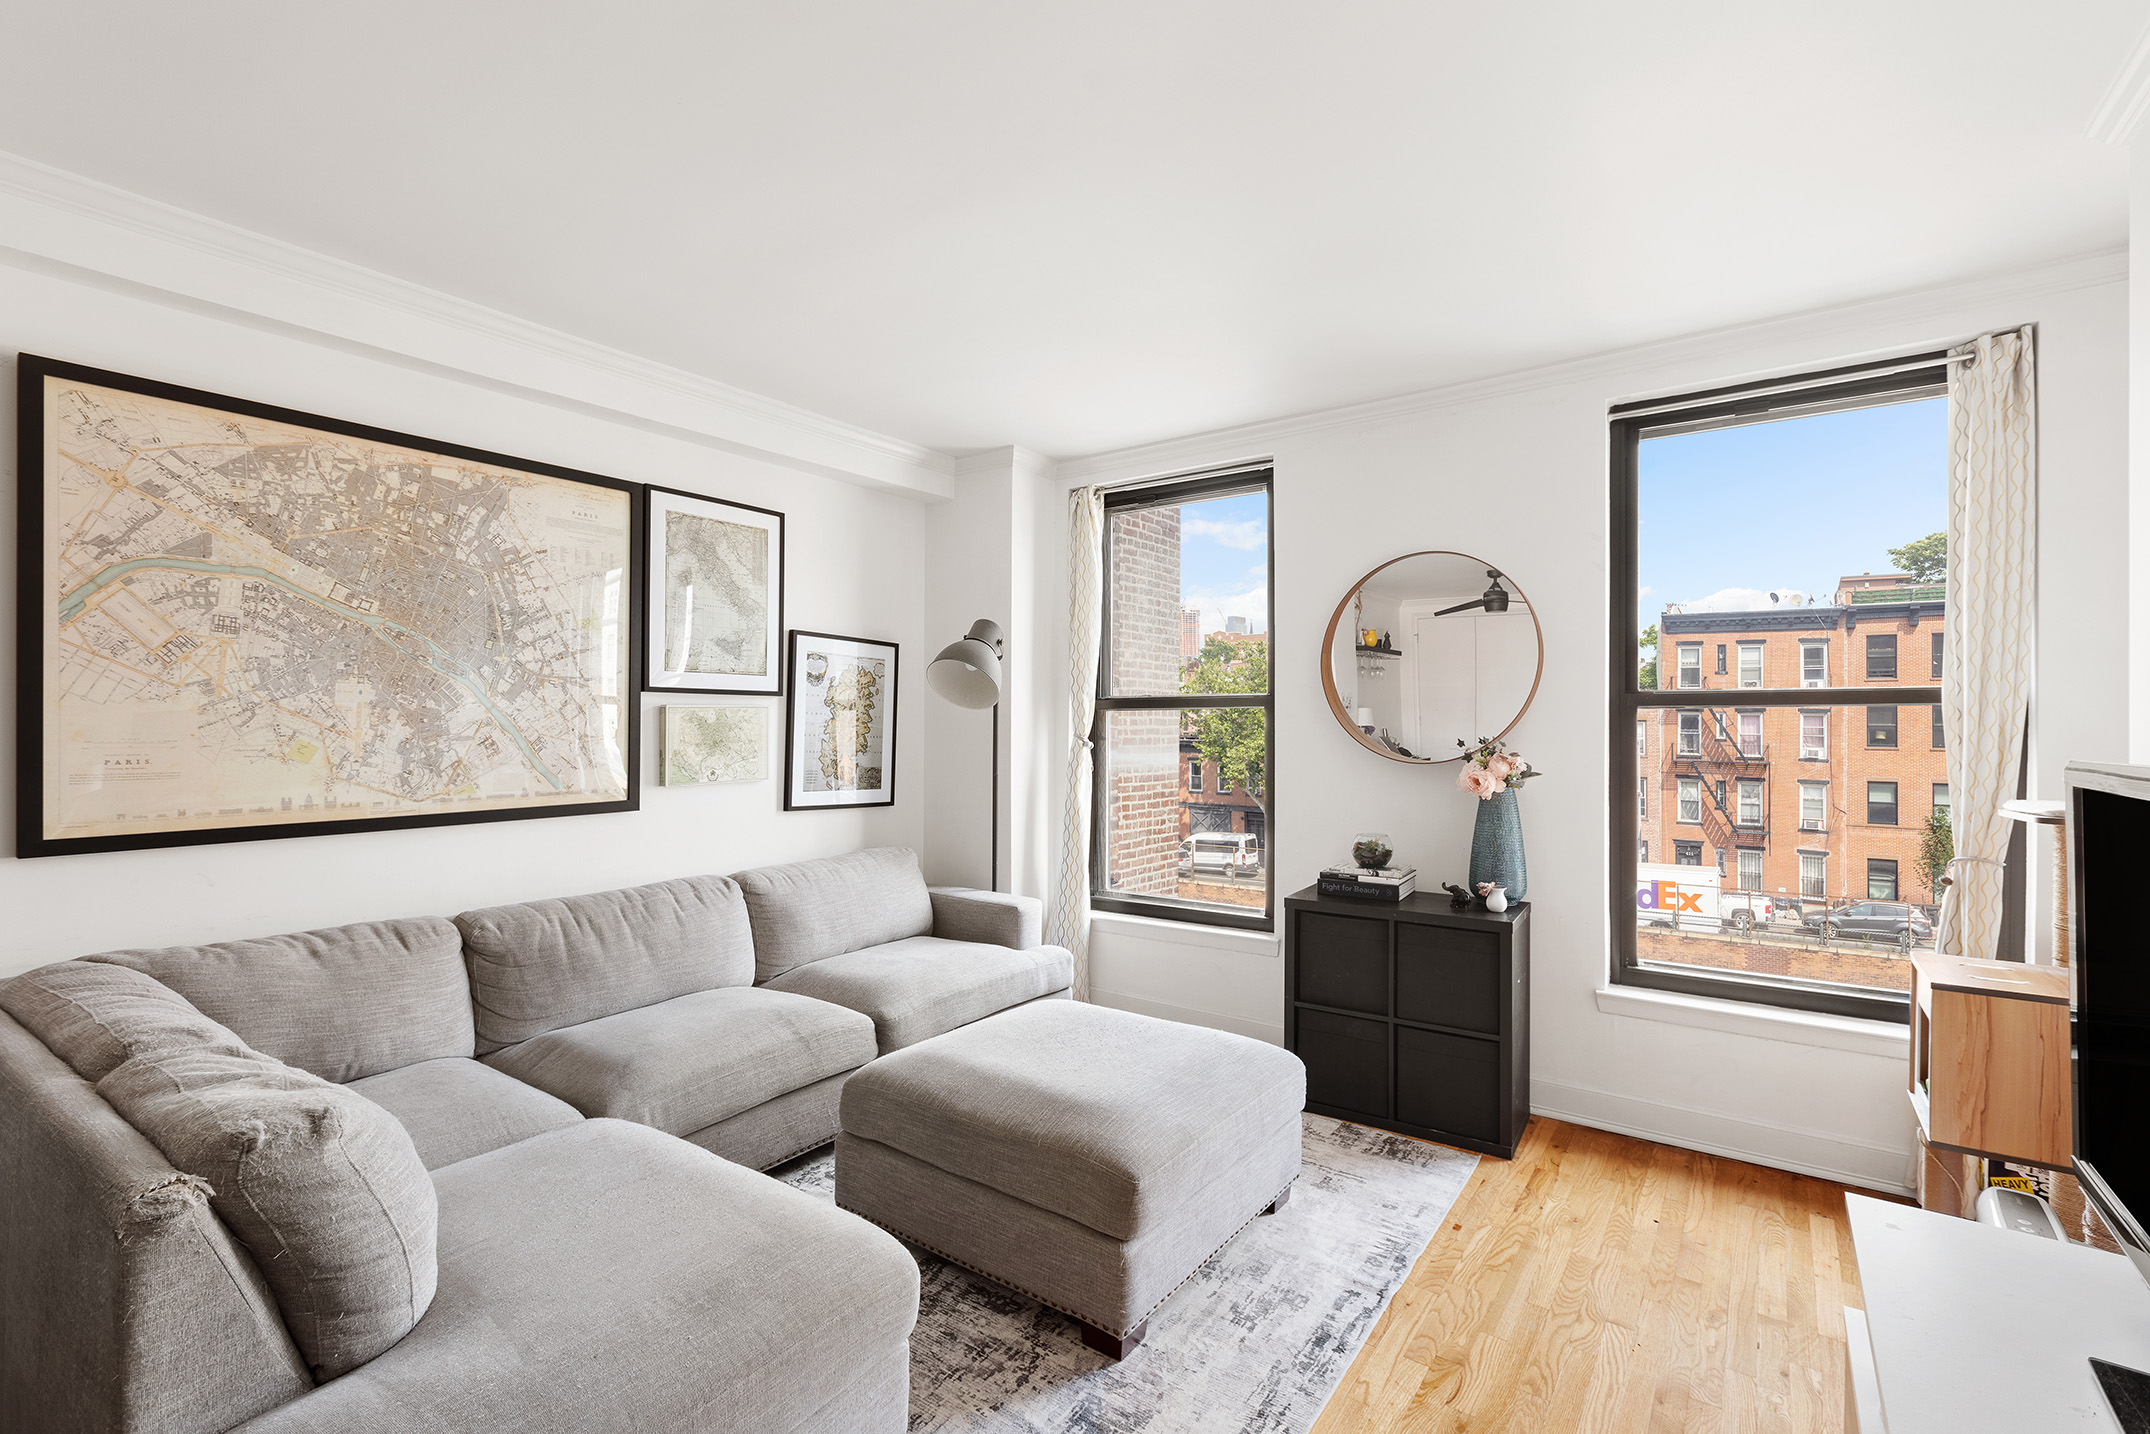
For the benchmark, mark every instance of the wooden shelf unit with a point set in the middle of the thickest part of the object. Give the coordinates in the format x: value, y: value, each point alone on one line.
x: 1989, y: 1065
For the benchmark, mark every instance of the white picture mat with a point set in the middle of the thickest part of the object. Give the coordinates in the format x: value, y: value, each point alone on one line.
x: 677, y: 724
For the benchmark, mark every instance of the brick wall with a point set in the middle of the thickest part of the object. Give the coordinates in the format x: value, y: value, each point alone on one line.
x: 1142, y: 791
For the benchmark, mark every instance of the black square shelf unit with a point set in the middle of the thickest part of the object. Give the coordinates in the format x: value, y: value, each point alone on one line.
x: 1412, y: 1016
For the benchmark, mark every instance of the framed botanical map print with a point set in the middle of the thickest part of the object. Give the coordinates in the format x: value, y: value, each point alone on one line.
x: 241, y: 622
x: 840, y: 723
x: 714, y: 600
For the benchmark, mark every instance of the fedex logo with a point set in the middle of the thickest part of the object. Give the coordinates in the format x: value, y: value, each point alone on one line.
x: 1667, y: 896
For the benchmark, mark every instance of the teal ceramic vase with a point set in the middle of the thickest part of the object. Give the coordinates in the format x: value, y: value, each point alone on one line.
x: 1497, y: 845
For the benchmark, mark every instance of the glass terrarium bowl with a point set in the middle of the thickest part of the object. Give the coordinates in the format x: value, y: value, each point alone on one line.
x: 1371, y: 850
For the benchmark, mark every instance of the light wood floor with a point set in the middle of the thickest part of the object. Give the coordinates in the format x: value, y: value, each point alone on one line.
x: 1597, y: 1283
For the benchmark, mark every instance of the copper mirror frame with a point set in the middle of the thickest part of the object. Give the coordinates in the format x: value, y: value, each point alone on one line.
x: 1328, y: 646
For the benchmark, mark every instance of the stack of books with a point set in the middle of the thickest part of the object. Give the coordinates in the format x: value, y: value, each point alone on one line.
x: 1389, y: 883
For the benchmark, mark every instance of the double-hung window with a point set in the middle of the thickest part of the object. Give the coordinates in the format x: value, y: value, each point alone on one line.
x: 1937, y: 642
x: 1813, y: 736
x: 1169, y: 722
x: 1870, y: 444
x: 1813, y: 664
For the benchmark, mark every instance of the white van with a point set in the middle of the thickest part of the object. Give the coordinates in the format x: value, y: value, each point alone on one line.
x: 1231, y: 854
x: 1682, y: 898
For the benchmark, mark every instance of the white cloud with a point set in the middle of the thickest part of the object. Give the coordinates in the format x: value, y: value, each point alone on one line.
x: 1247, y: 534
x: 1253, y: 605
x: 1734, y: 600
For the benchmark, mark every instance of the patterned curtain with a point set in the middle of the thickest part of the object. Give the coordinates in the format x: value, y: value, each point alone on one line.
x: 1986, y: 666
x: 1069, y: 924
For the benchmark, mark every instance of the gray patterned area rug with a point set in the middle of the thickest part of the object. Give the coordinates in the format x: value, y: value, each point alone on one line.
x: 1255, y: 1342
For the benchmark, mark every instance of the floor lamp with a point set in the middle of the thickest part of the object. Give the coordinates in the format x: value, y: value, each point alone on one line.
x: 967, y: 673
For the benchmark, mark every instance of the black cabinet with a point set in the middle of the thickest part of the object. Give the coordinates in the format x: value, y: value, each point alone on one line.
x: 1412, y: 1016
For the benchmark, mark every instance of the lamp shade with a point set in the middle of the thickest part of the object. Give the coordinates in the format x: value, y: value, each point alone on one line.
x: 967, y: 672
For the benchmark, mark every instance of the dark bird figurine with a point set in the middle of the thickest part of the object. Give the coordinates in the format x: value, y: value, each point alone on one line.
x: 1458, y: 898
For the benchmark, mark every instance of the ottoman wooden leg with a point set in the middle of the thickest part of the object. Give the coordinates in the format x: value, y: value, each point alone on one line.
x: 1113, y: 1346
x: 1283, y: 1199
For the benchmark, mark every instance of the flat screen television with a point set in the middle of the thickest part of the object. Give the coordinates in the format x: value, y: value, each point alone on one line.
x: 2109, y: 871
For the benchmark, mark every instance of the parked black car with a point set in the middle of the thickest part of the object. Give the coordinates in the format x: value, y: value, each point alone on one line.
x: 1893, y: 922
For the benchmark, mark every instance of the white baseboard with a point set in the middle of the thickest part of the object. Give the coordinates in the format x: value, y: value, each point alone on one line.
x: 1188, y: 1016
x: 1869, y: 1166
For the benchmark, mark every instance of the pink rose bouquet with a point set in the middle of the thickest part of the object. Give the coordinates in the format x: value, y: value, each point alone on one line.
x: 1489, y: 767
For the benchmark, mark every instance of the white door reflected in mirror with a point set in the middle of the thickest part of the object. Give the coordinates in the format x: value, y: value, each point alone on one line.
x: 1429, y: 648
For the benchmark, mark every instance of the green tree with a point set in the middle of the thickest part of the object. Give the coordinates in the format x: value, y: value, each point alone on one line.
x: 1646, y: 675
x: 1937, y: 848
x: 1925, y: 559
x: 1235, y: 738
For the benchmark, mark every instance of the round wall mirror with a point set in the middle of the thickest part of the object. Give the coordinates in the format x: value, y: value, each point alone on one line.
x: 1427, y: 648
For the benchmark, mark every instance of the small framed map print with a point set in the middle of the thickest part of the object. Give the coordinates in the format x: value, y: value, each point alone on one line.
x: 713, y: 744
x: 241, y: 622
x: 840, y: 723
x: 714, y: 606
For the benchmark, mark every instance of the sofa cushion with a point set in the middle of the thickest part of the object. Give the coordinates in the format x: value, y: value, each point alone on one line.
x: 809, y: 910
x: 694, y: 1060
x: 321, y: 1185
x: 454, y: 1109
x: 922, y: 986
x: 546, y: 964
x: 1111, y: 1119
x: 342, y: 1003
x: 94, y: 1016
x: 607, y: 1279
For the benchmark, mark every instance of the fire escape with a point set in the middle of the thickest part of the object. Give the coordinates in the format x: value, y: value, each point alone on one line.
x: 1719, y: 764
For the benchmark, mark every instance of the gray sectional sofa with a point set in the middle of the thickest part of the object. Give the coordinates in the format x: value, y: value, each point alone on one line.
x: 459, y: 1174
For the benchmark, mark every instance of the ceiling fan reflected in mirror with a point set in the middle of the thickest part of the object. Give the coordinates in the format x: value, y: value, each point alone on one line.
x: 1494, y: 599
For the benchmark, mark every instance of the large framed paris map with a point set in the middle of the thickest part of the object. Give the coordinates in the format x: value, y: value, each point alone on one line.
x: 241, y: 622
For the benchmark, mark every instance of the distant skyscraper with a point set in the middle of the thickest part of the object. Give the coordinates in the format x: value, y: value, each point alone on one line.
x: 1235, y: 624
x: 1190, y: 633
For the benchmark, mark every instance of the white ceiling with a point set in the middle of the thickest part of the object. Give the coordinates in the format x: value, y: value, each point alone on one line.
x: 1085, y: 226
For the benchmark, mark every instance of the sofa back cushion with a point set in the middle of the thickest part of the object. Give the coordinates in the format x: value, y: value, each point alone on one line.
x: 343, y: 1003
x: 546, y: 964
x: 321, y: 1185
x: 808, y: 910
x: 96, y: 1016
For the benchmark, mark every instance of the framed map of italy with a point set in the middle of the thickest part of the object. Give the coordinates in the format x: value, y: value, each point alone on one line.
x: 241, y: 622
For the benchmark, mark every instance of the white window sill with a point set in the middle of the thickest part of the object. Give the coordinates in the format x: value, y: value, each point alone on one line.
x: 1186, y: 934
x: 1770, y: 1023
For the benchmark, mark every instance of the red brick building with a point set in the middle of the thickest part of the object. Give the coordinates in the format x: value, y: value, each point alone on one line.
x: 1821, y: 803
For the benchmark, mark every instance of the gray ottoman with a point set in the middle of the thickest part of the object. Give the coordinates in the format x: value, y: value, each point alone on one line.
x: 1090, y: 1158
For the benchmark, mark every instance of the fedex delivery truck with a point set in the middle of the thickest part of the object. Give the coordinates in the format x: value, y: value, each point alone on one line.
x: 1683, y: 898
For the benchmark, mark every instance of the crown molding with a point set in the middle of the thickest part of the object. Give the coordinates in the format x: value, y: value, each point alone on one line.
x: 100, y: 232
x: 1698, y: 358
x: 2127, y: 99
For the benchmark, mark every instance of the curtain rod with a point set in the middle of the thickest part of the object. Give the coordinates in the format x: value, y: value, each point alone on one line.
x: 1819, y: 380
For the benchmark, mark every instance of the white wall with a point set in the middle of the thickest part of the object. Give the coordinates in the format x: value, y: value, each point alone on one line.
x: 855, y: 566
x: 1817, y: 1096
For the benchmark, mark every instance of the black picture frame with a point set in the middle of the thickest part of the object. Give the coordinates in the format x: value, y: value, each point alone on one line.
x: 651, y: 563
x: 798, y: 689
x: 32, y: 372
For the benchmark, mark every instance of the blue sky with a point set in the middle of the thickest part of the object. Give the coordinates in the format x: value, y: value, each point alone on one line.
x: 1797, y: 503
x: 1224, y: 560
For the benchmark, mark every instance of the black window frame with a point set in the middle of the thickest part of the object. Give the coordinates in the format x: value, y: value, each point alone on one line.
x: 1720, y: 660
x: 1681, y: 850
x: 1938, y: 649
x: 1258, y: 478
x: 1888, y: 639
x: 1892, y: 808
x: 1895, y: 726
x: 1915, y: 376
x: 1896, y: 879
x: 1940, y: 732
